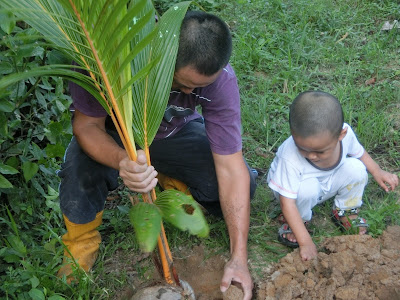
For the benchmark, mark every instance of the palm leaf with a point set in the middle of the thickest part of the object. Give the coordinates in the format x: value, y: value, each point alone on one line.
x: 183, y: 212
x: 130, y: 61
x: 114, y: 41
x: 146, y: 221
x: 152, y: 89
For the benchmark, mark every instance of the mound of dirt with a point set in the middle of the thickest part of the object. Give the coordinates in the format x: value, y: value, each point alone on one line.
x: 202, y: 273
x: 349, y: 267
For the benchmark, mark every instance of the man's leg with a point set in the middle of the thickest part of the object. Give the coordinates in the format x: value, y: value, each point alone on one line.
x: 187, y: 156
x: 83, y: 190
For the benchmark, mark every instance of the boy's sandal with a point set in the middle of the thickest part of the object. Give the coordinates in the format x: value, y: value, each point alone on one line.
x: 281, y: 219
x: 285, y: 229
x: 348, y: 224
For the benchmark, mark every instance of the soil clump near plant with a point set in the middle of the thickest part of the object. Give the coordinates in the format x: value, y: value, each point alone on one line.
x: 347, y: 267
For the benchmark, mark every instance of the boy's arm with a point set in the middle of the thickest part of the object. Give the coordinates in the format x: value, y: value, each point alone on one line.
x: 308, y: 250
x: 386, y: 180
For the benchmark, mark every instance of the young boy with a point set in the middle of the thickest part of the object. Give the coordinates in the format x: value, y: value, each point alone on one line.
x: 322, y: 159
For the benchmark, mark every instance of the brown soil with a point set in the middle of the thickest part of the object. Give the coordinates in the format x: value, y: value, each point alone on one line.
x: 203, y: 274
x: 348, y: 267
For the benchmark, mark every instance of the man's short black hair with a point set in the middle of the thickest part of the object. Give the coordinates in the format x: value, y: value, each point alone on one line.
x: 205, y: 43
x: 315, y: 112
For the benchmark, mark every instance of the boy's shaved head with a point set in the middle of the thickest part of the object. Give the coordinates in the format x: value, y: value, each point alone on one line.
x: 314, y: 112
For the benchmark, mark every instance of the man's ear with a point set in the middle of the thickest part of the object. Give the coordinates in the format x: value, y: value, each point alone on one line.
x: 343, y: 133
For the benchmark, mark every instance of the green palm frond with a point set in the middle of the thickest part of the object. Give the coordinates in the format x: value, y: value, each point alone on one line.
x: 129, y: 58
x: 152, y: 90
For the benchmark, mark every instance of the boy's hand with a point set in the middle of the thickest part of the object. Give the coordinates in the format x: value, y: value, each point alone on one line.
x: 386, y: 180
x: 308, y: 251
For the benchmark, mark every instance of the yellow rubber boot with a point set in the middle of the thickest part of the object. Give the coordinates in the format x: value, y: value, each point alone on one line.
x: 82, y: 241
x: 169, y: 183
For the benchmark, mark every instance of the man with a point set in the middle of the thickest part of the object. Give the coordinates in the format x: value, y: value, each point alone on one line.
x: 202, y: 153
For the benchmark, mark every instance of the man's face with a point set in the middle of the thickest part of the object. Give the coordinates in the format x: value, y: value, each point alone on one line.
x: 186, y: 79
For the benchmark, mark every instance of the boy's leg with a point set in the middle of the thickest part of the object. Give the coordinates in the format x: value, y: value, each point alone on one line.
x: 349, y: 181
x: 187, y: 156
x: 309, y: 195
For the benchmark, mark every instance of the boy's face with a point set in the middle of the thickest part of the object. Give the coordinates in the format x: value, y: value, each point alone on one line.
x: 322, y: 149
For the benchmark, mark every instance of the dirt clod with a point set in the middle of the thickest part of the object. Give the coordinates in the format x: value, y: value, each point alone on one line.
x: 233, y: 293
x: 348, y: 267
x: 161, y: 292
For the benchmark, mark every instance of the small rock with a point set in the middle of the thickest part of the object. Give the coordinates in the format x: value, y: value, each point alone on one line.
x: 233, y: 293
x: 160, y: 292
x: 388, y: 26
x: 310, y: 283
x: 344, y: 293
x: 283, y: 280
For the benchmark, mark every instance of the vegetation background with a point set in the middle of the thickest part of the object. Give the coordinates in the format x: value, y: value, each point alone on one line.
x: 281, y: 47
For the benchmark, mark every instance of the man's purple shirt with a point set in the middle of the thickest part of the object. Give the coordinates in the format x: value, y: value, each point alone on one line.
x: 220, y: 106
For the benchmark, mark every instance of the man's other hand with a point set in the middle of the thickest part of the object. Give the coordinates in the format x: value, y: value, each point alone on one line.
x: 236, y: 272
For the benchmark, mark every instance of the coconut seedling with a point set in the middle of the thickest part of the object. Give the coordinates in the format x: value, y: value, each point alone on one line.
x: 130, y: 60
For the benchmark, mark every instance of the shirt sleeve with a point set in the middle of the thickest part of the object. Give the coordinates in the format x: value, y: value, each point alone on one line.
x: 221, y: 112
x: 355, y: 149
x: 284, y: 178
x: 83, y: 101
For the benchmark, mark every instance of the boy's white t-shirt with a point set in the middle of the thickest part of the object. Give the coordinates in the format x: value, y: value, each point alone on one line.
x: 289, y: 168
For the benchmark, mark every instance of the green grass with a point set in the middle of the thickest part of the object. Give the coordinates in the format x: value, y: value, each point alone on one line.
x: 284, y: 47
x: 280, y: 49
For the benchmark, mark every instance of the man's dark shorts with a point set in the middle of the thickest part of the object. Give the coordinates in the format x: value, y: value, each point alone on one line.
x: 185, y: 156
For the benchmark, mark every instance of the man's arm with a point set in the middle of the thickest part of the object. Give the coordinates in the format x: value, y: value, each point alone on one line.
x: 386, y: 180
x: 93, y: 138
x: 91, y: 135
x: 234, y: 192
